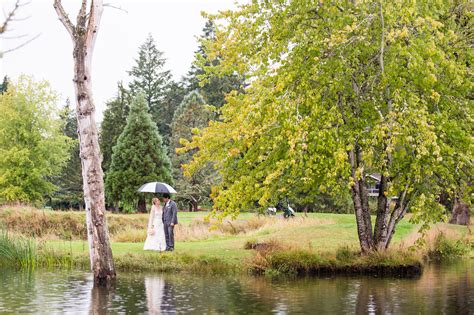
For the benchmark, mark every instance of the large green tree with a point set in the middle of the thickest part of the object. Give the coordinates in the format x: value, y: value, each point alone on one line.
x: 32, y: 146
x: 215, y: 87
x: 69, y: 182
x: 149, y: 78
x: 191, y: 114
x: 172, y: 99
x: 113, y: 124
x: 340, y: 90
x: 138, y: 157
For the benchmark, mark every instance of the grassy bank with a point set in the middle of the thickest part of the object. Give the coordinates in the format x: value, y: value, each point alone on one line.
x: 319, y: 243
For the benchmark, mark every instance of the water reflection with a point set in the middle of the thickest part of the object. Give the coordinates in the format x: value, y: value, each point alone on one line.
x: 159, y: 295
x: 101, y: 298
x: 448, y: 289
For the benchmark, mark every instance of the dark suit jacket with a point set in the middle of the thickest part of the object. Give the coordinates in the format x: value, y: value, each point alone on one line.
x: 170, y: 213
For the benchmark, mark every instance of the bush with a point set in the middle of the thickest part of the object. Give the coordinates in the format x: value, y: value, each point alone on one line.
x: 448, y: 249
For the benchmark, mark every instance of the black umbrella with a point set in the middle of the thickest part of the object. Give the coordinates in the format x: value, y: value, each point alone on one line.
x: 157, y: 187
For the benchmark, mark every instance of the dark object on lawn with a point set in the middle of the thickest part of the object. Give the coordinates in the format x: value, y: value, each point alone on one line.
x: 461, y: 214
x: 287, y: 210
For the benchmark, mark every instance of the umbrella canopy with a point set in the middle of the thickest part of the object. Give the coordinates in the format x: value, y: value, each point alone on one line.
x: 157, y: 187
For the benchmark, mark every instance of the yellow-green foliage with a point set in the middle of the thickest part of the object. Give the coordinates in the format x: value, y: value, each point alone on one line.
x: 448, y: 249
x: 32, y: 146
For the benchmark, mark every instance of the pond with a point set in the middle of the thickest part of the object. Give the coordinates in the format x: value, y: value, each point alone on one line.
x: 447, y: 289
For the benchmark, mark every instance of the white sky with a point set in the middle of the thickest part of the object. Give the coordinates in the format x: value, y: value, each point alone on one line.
x: 174, y: 24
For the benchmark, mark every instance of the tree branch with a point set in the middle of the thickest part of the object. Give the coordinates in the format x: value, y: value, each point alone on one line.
x: 21, y: 45
x: 115, y: 7
x: 382, y: 40
x: 82, y: 15
x: 95, y: 14
x: 9, y: 17
x: 64, y: 18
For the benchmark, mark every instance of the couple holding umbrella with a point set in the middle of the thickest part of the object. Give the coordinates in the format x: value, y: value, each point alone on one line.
x: 163, y: 218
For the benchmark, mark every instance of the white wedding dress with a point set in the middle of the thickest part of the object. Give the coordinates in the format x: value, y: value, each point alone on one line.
x: 155, y: 241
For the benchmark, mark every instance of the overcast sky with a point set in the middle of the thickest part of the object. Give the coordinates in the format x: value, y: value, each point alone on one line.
x: 174, y: 24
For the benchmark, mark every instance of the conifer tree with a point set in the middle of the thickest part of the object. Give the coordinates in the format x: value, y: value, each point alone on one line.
x: 215, y: 87
x: 69, y: 182
x: 172, y: 99
x: 138, y: 157
x: 4, y: 85
x: 190, y: 115
x: 149, y: 78
x: 113, y: 124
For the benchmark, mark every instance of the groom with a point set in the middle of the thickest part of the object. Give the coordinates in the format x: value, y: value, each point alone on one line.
x: 170, y: 219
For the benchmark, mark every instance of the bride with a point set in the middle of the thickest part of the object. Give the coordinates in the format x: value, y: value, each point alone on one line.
x: 156, y: 233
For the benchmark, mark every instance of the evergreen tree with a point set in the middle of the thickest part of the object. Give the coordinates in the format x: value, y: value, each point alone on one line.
x: 190, y: 115
x: 138, y: 157
x: 113, y: 124
x: 69, y: 182
x: 172, y: 99
x: 4, y: 85
x: 215, y: 87
x: 149, y: 78
x: 32, y: 147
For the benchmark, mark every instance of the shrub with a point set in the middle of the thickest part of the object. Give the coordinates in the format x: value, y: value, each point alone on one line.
x: 448, y: 249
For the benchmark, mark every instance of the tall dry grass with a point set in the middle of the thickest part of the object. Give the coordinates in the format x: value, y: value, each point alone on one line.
x: 200, y: 229
x: 58, y: 225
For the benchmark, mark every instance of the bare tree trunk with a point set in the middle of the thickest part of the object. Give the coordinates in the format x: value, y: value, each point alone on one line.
x: 83, y: 36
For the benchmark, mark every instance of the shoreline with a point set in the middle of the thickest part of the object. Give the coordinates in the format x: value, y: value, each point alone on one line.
x: 316, y: 244
x: 316, y: 266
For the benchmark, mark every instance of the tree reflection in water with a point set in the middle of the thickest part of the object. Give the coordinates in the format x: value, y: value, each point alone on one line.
x: 447, y: 289
x: 101, y: 298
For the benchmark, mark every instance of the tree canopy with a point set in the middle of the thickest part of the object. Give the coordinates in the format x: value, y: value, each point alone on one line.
x: 113, y: 124
x: 33, y: 148
x: 139, y: 157
x: 191, y: 115
x: 339, y: 90
x: 69, y: 182
x: 150, y: 79
x: 213, y: 88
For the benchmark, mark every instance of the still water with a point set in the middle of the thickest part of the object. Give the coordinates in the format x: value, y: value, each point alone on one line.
x: 440, y: 290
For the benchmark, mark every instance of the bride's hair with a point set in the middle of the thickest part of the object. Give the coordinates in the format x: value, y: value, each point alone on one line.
x: 155, y: 200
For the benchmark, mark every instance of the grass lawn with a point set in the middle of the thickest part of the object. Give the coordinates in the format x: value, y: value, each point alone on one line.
x: 304, y: 244
x: 319, y: 231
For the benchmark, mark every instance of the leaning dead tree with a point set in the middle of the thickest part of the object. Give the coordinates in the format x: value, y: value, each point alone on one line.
x: 83, y: 36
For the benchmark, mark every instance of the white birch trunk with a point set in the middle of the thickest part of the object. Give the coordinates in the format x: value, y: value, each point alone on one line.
x: 83, y: 36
